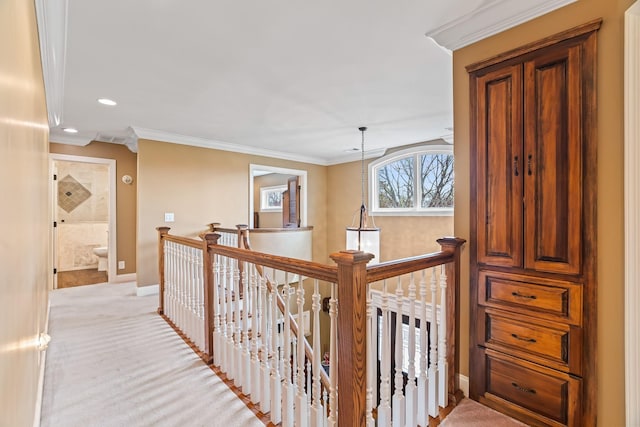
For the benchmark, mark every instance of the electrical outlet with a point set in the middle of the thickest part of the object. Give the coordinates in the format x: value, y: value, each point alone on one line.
x: 120, y: 265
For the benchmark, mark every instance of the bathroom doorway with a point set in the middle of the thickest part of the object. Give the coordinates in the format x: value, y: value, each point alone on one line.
x: 84, y: 233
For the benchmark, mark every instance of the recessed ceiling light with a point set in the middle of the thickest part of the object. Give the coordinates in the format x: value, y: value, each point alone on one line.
x: 107, y: 101
x: 70, y: 130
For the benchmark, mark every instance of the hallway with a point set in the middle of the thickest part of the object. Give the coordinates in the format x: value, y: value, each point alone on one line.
x: 113, y: 361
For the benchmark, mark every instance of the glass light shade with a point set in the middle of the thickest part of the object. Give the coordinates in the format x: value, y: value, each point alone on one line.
x: 369, y: 241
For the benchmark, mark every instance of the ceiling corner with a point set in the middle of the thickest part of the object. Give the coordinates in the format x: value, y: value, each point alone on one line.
x: 491, y: 17
x: 51, y: 17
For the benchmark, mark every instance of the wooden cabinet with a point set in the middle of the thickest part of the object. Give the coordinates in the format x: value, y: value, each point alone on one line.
x: 533, y: 230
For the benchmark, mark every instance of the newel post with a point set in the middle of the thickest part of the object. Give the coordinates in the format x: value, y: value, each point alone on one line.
x: 352, y: 334
x: 162, y: 231
x: 452, y: 270
x: 209, y: 294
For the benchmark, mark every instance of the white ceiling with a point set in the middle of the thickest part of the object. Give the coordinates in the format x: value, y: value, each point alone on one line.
x: 283, y: 78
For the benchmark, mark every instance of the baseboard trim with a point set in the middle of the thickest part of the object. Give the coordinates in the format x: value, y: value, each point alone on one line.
x: 143, y: 291
x: 463, y: 384
x: 43, y: 359
x: 122, y: 278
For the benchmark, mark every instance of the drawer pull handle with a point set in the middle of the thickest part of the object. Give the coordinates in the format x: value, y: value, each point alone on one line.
x: 524, y: 389
x: 519, y: 295
x: 523, y: 339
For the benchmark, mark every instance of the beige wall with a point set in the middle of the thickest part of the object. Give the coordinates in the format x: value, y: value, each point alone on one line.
x: 25, y: 264
x: 202, y: 185
x: 610, y: 178
x: 125, y: 194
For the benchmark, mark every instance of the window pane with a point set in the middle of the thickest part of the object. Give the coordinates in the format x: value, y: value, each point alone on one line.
x: 395, y: 184
x: 437, y: 180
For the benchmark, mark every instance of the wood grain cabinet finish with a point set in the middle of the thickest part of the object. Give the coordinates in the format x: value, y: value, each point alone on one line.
x: 533, y: 230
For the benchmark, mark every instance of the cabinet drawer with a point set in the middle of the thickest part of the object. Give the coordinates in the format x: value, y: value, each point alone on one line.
x: 552, y: 344
x: 547, y: 393
x: 545, y: 298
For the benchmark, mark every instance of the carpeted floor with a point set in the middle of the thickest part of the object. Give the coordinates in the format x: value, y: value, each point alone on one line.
x: 113, y: 361
x: 473, y: 414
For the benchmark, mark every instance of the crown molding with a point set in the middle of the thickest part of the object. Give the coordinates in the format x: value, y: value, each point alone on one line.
x: 355, y: 156
x: 491, y: 17
x: 158, y: 135
x: 51, y: 16
x: 78, y: 140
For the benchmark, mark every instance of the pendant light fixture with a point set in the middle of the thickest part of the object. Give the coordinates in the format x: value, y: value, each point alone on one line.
x: 364, y: 236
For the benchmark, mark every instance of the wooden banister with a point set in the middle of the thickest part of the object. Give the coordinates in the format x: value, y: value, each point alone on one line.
x: 452, y: 269
x: 209, y: 293
x: 162, y: 233
x: 352, y: 327
x: 349, y: 279
x: 292, y: 265
x: 388, y: 269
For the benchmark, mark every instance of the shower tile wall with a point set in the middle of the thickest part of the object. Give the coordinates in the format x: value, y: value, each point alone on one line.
x: 82, y: 213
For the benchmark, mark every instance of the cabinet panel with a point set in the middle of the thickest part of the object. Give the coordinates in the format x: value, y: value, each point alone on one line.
x: 545, y: 298
x: 550, y: 394
x: 549, y: 343
x: 499, y: 167
x: 553, y: 156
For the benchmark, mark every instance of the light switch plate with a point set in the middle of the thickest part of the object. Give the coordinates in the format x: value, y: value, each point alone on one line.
x: 120, y: 265
x: 168, y: 217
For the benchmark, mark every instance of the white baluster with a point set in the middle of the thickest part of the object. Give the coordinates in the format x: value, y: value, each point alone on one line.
x: 231, y: 360
x: 308, y: 384
x: 255, y: 343
x: 237, y: 352
x: 216, y: 310
x: 410, y: 389
x: 433, y: 356
x: 333, y: 358
x: 265, y: 396
x: 222, y: 345
x: 245, y: 359
x: 442, y: 344
x: 288, y: 389
x: 302, y: 414
x: 200, y: 299
x: 398, y: 406
x: 384, y: 409
x: 317, y: 411
x: 371, y: 356
x: 423, y: 417
x: 276, y: 379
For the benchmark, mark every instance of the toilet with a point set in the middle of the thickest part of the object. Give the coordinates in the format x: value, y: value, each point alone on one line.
x: 102, y: 253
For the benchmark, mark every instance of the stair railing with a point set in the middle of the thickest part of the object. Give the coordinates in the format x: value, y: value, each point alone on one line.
x: 253, y: 308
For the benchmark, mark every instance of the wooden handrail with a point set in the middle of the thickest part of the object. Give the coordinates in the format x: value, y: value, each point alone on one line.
x: 309, y: 269
x: 186, y: 241
x: 388, y: 269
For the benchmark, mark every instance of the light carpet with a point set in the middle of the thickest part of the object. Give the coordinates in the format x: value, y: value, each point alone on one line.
x: 113, y: 361
x: 471, y: 413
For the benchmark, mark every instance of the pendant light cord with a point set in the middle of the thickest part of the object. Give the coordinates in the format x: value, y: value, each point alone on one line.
x: 362, y: 129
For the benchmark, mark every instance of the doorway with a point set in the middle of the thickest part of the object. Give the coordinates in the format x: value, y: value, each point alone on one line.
x: 267, y: 180
x: 84, y: 233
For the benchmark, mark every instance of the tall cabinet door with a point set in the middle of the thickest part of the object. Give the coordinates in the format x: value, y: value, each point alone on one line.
x: 499, y: 167
x: 553, y: 162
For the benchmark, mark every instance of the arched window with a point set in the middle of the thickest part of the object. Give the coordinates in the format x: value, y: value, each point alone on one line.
x: 416, y: 181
